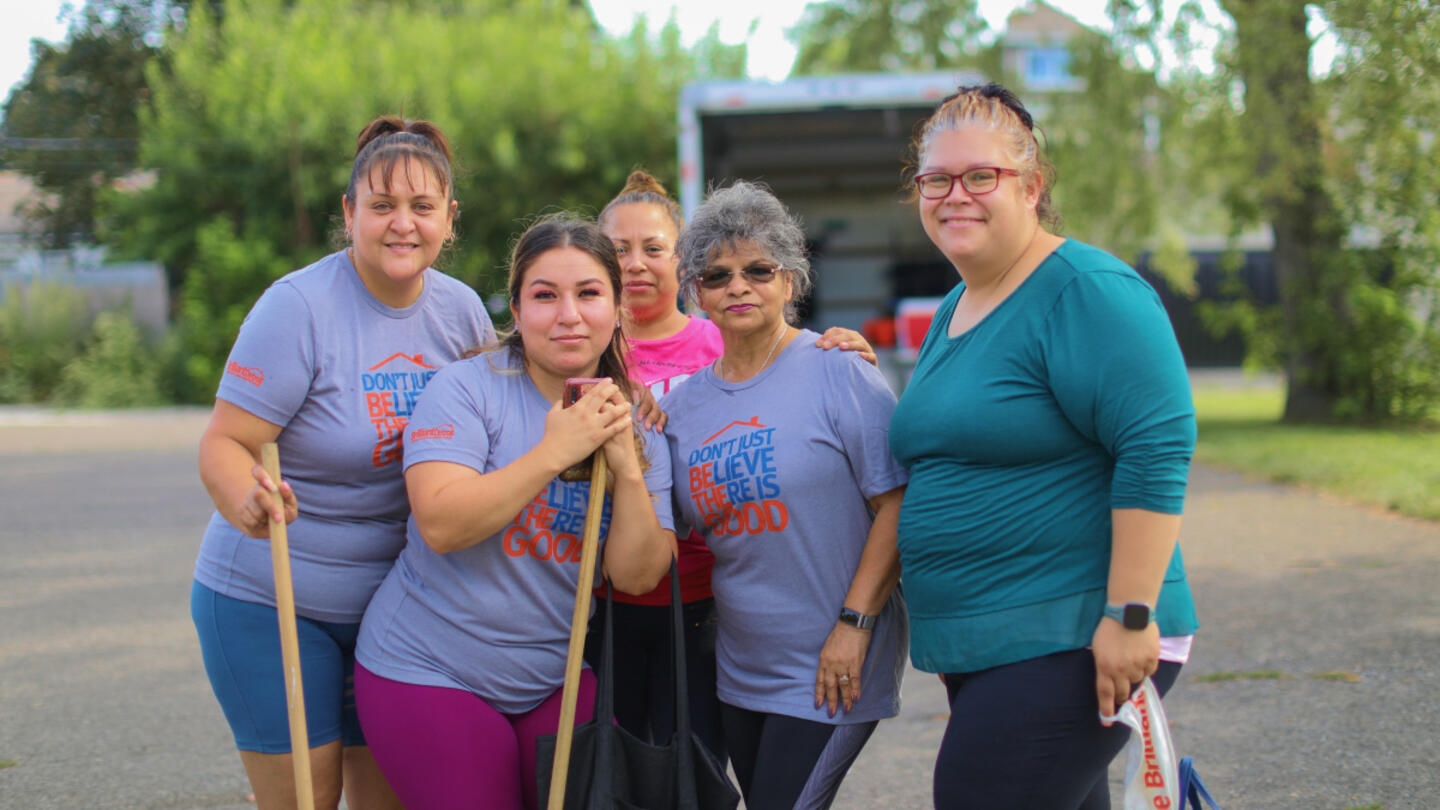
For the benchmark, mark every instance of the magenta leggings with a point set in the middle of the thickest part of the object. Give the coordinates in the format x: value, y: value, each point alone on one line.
x: 447, y: 749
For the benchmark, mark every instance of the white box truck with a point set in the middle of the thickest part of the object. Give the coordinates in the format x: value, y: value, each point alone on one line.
x: 833, y: 149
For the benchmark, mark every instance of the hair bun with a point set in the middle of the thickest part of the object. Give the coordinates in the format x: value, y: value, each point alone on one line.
x: 394, y: 124
x: 380, y: 127
x: 642, y: 182
x: 431, y: 133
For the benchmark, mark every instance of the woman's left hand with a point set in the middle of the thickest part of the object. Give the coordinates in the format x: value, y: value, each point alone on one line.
x: 838, y: 337
x: 837, y: 678
x: 1123, y: 659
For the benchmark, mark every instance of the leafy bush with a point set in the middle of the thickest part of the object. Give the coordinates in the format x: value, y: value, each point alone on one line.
x: 117, y: 369
x: 1390, y: 363
x: 42, y: 328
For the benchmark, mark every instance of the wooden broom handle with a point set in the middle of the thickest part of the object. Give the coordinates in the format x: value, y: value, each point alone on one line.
x: 289, y: 641
x: 579, y: 623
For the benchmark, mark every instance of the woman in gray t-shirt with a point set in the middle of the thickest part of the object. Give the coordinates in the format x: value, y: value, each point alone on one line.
x: 461, y: 656
x: 782, y: 462
x: 329, y: 365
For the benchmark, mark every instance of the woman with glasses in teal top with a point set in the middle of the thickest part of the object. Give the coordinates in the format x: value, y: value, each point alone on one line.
x: 1048, y: 430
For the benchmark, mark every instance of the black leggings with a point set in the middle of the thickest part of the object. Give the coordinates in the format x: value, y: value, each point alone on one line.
x: 786, y: 763
x: 644, y: 668
x: 1026, y: 736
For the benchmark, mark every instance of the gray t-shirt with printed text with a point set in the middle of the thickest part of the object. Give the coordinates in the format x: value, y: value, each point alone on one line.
x: 494, y: 618
x: 340, y: 373
x: 776, y: 472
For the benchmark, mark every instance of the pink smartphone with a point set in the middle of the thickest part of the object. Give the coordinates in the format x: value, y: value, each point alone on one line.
x: 575, y: 387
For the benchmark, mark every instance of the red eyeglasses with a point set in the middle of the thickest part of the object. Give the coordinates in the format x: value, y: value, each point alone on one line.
x: 979, y: 180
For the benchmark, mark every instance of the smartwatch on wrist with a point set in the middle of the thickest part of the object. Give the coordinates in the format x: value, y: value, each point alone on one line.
x: 856, y: 619
x: 1131, y: 615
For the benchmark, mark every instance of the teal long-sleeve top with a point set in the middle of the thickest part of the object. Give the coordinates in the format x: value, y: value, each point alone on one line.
x: 1066, y: 401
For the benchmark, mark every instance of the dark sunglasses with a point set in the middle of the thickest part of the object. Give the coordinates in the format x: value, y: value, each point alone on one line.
x: 756, y: 274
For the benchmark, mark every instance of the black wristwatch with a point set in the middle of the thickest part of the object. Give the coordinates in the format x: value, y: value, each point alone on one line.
x: 856, y: 619
x: 1131, y: 615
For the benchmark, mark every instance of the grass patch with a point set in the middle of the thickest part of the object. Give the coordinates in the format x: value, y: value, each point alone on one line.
x: 1375, y: 806
x: 1337, y: 675
x: 7, y: 763
x: 1391, y: 467
x: 1256, y: 675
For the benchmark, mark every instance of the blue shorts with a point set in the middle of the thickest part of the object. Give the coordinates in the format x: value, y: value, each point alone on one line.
x: 240, y: 642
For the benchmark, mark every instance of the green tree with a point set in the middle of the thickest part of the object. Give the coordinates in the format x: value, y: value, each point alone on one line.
x: 1386, y: 168
x: 251, y: 124
x: 1281, y: 121
x: 1341, y: 170
x: 72, y: 125
x: 1116, y: 186
x: 888, y: 35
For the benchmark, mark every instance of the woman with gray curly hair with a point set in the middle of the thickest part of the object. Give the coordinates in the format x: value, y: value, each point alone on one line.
x: 782, y: 464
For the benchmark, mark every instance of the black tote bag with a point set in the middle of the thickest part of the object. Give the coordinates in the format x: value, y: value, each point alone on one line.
x: 612, y: 769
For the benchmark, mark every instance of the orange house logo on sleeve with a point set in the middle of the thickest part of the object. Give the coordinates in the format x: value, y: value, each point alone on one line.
x: 734, y: 482
x: 391, y: 388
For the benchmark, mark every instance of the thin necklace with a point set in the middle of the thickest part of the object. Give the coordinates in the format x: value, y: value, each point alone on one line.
x: 779, y: 333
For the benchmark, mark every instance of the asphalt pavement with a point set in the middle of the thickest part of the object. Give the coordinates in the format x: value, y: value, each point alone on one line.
x: 1314, y: 682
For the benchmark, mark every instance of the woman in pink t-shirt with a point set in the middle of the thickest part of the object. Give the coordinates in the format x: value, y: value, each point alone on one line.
x: 666, y: 346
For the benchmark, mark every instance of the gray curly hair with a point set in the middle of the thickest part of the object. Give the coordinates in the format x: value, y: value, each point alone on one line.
x: 744, y: 212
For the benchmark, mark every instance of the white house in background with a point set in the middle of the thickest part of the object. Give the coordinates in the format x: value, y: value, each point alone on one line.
x: 1035, y: 48
x: 139, y: 287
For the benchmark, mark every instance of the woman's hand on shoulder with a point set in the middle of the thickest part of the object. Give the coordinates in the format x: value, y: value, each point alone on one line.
x: 838, y: 337
x: 1123, y: 658
x: 648, y: 407
x: 573, y: 433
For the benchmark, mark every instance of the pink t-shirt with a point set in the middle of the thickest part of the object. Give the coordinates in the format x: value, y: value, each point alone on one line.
x: 663, y: 364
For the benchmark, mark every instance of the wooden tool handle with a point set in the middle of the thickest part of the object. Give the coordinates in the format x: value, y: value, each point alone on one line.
x: 579, y: 623
x: 289, y: 640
